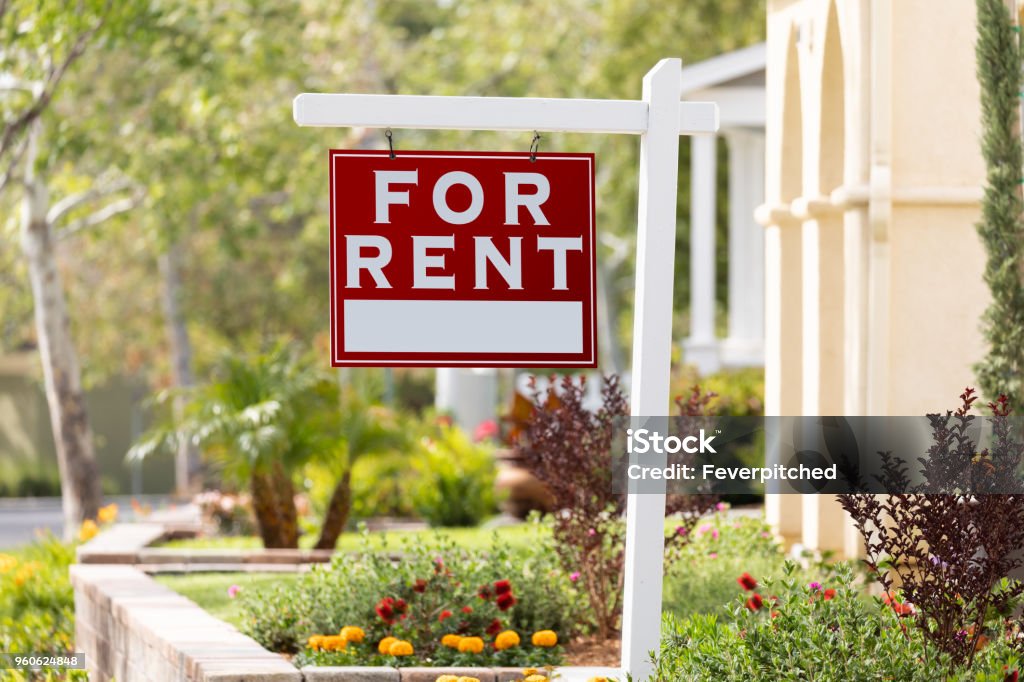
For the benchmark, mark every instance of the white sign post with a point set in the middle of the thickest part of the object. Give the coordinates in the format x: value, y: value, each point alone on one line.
x: 659, y: 118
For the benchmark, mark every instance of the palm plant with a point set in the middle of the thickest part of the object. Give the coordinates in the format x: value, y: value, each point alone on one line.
x: 259, y: 419
x: 365, y: 429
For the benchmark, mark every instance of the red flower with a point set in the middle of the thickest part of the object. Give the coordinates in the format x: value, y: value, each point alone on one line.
x: 901, y: 609
x: 1012, y: 677
x: 829, y: 594
x: 494, y: 628
x: 755, y: 602
x: 467, y: 609
x: 400, y: 606
x: 485, y: 593
x: 420, y: 586
x: 506, y: 601
x: 385, y: 611
x: 775, y: 614
x: 502, y: 587
x: 444, y: 615
x: 747, y: 582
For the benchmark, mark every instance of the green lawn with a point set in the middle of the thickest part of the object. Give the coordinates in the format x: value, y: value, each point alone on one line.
x: 517, y: 536
x: 210, y: 590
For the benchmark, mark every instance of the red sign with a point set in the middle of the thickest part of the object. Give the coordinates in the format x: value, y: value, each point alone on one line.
x: 442, y: 259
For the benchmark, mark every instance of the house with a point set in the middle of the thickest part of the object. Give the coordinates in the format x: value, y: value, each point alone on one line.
x: 873, y: 182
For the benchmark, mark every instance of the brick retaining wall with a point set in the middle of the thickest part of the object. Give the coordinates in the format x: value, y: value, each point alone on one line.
x: 131, y: 628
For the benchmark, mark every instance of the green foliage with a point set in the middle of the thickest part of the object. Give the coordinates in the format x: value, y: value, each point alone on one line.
x: 381, y: 486
x: 802, y: 632
x: 36, y: 600
x: 999, y: 57
x: 203, y: 92
x: 256, y: 409
x: 738, y: 392
x: 30, y: 479
x: 432, y: 577
x: 454, y: 481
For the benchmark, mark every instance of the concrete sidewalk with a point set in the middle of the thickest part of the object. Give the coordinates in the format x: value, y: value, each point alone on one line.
x: 22, y: 517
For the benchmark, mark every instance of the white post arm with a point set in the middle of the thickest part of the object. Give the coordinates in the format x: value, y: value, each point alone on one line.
x: 495, y: 113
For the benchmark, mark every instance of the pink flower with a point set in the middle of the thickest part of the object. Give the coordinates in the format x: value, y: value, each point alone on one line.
x: 815, y: 585
x: 713, y: 555
x: 708, y: 528
x: 721, y: 506
x: 233, y: 591
x: 574, y: 576
x: 485, y: 430
x: 680, y: 530
x: 591, y: 532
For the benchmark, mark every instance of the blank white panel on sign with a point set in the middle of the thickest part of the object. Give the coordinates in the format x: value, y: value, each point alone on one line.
x: 384, y: 326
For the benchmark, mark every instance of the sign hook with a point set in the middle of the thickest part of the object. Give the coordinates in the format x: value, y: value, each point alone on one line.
x: 534, y: 146
x: 391, y: 145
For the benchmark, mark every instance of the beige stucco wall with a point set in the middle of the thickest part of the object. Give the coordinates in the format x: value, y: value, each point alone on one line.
x: 884, y: 316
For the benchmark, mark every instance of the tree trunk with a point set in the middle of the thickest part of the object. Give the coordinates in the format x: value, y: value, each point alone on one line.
x: 286, y: 513
x: 187, y: 469
x: 76, y: 460
x: 264, y: 507
x: 337, y: 512
x: 273, y: 503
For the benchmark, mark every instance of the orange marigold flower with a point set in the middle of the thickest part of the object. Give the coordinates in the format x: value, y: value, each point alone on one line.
x: 451, y: 641
x: 385, y: 644
x: 506, y: 640
x: 353, y: 633
x: 400, y: 648
x: 107, y: 514
x: 88, y: 530
x: 471, y: 645
x: 334, y: 643
x: 315, y: 642
x: 544, y: 638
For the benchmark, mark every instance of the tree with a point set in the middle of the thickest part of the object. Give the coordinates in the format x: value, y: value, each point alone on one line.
x: 999, y: 72
x: 259, y: 418
x: 44, y: 39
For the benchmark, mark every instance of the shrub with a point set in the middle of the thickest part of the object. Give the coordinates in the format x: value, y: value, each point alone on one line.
x: 454, y: 484
x: 792, y: 629
x: 426, y: 593
x: 569, y: 448
x: 36, y: 600
x: 381, y: 486
x: 950, y: 549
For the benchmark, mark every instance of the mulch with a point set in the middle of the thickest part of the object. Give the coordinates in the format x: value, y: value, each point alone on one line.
x: 593, y: 651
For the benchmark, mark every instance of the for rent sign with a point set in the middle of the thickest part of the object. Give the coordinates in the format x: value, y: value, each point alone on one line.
x: 462, y: 258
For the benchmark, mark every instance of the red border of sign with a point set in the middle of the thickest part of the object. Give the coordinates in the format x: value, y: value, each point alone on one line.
x: 583, y: 360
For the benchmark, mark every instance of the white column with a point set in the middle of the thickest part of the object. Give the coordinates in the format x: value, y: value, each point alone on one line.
x: 652, y: 354
x: 469, y: 394
x: 701, y: 348
x: 744, y: 346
